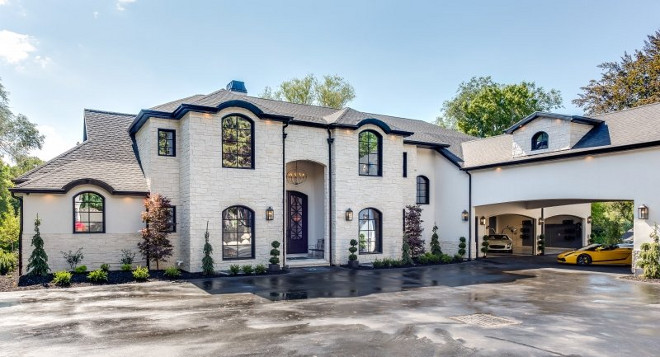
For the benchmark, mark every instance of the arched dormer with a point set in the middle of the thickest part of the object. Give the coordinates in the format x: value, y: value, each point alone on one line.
x: 540, y: 141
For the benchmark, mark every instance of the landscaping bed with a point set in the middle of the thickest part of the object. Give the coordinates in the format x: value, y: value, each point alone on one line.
x: 641, y: 279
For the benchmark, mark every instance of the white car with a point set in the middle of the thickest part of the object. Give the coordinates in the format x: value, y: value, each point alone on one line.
x: 499, y: 243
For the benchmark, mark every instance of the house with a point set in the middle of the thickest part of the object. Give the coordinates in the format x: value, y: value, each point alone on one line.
x: 313, y: 178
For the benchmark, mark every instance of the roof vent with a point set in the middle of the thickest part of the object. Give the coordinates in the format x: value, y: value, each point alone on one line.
x: 237, y: 86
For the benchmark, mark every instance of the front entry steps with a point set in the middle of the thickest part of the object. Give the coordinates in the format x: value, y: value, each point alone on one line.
x: 302, y: 262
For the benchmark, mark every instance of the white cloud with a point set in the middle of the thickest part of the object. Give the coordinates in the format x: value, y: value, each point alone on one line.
x: 42, y: 61
x: 54, y: 143
x: 95, y: 13
x: 4, y: 2
x: 121, y: 3
x: 15, y: 47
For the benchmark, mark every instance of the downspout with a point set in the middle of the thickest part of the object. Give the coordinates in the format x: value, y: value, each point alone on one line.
x: 286, y: 124
x: 470, y: 219
x: 330, y: 211
x: 20, y: 234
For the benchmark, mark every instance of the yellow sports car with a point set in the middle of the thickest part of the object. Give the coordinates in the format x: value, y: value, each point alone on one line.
x: 598, y: 254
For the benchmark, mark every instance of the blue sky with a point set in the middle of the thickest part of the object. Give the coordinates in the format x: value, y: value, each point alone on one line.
x: 404, y: 58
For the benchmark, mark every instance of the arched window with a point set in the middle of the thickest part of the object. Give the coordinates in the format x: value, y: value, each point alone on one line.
x: 540, y: 140
x: 370, y: 234
x: 88, y: 213
x: 237, y: 233
x: 237, y: 142
x: 422, y: 190
x: 370, y: 153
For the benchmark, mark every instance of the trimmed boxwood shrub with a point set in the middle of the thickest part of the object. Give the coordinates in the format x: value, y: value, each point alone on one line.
x: 62, y: 278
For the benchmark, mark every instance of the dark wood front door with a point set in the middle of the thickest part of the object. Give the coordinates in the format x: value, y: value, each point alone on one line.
x: 297, y: 223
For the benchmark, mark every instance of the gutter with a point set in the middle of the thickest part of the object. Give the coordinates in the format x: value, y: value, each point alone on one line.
x: 330, y: 208
x: 470, y: 220
x: 284, y: 210
x: 20, y: 234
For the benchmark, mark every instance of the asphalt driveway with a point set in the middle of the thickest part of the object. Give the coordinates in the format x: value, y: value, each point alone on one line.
x: 500, y: 307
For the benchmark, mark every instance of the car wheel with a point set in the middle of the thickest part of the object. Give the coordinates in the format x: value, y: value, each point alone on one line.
x: 584, y: 259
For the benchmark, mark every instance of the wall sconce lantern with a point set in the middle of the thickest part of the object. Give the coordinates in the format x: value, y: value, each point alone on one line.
x: 541, y: 221
x: 349, y: 214
x: 270, y: 214
x: 589, y: 219
x: 465, y: 215
x: 482, y: 221
x: 643, y: 212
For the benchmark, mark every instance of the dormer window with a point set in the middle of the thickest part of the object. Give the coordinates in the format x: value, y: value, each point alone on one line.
x: 540, y: 140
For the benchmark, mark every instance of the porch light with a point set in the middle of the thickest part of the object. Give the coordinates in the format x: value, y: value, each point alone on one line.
x: 295, y: 176
x: 589, y: 219
x: 482, y: 221
x: 643, y: 212
x: 465, y: 216
x: 541, y: 221
x: 270, y: 214
x: 349, y: 214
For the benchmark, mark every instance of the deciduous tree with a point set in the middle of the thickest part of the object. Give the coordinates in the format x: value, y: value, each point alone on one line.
x: 332, y: 91
x: 158, y: 215
x: 17, y: 134
x: 413, y: 230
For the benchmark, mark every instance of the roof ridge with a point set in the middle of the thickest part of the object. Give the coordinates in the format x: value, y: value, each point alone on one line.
x: 60, y: 156
x: 108, y: 112
x: 628, y: 109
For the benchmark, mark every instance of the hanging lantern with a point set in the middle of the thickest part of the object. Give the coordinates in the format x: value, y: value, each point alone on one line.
x: 295, y: 176
x: 465, y: 215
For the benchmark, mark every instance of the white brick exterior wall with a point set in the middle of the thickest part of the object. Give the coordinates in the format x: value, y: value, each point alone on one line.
x: 559, y: 136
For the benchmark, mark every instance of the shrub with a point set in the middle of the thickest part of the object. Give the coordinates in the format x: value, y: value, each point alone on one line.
x: 172, y: 272
x: 484, y: 245
x: 378, y: 264
x: 649, y: 256
x: 105, y: 267
x: 8, y: 262
x: 62, y: 278
x: 274, y: 253
x: 541, y: 244
x: 260, y: 269
x: 461, y: 247
x: 38, y: 261
x: 234, y: 269
x: 73, y: 259
x: 126, y: 267
x: 458, y: 258
x: 435, y: 242
x: 208, y: 265
x: 81, y: 269
x: 98, y: 276
x: 397, y: 263
x: 247, y: 269
x: 446, y: 258
x: 405, y: 253
x: 352, y: 250
x: 141, y: 273
x: 413, y: 230
x: 127, y: 257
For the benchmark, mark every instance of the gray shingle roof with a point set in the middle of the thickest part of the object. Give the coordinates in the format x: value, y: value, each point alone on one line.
x: 106, y: 156
x: 619, y: 129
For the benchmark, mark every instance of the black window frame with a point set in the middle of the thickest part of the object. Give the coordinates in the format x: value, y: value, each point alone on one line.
x: 379, y: 146
x: 170, y: 131
x: 173, y: 229
x: 222, y: 134
x: 251, y: 222
x: 102, y: 213
x: 423, y: 198
x: 405, y: 164
x: 378, y: 225
x: 540, y: 145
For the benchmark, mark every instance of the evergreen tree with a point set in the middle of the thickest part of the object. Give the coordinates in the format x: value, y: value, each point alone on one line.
x: 207, y: 262
x: 435, y: 243
x: 413, y: 230
x: 38, y: 262
x: 406, y: 259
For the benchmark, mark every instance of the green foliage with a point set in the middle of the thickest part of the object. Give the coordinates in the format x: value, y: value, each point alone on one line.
x: 62, y: 278
x: 141, y: 273
x: 406, y: 259
x: 234, y: 269
x: 81, y: 269
x: 484, y: 245
x: 628, y: 83
x: 172, y: 272
x: 331, y: 91
x: 260, y: 269
x: 378, y: 264
x: 446, y: 258
x: 435, y: 242
x: 649, y: 256
x: 18, y: 135
x: 247, y: 269
x: 412, y: 232
x: 9, y: 228
x: 461, y: 246
x: 105, y: 267
x: 38, y: 261
x: 541, y: 244
x: 98, y: 276
x: 458, y: 258
x: 609, y: 220
x: 8, y: 262
x: 208, y: 265
x: 127, y: 257
x: 158, y: 216
x: 429, y: 258
x: 484, y: 108
x: 398, y: 263
x: 73, y: 259
x: 352, y: 250
x: 126, y: 267
x: 274, y: 253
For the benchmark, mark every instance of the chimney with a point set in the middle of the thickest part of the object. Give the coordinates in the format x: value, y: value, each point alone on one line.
x: 237, y: 87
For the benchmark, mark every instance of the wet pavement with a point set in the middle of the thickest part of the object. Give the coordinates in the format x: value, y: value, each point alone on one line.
x: 531, y: 307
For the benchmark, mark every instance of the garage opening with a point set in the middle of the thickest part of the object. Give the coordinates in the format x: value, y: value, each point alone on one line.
x: 519, y: 229
x: 563, y: 232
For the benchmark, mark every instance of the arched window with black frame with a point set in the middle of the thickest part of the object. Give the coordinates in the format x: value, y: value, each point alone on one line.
x: 540, y: 140
x: 237, y: 142
x: 370, y: 153
x: 370, y: 231
x: 422, y: 190
x: 88, y: 213
x: 237, y: 233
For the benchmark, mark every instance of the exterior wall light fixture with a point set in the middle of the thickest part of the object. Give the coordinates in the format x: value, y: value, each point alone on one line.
x: 643, y: 212
x: 541, y: 221
x: 270, y: 214
x: 465, y: 215
x: 589, y: 219
x: 482, y: 221
x: 349, y: 214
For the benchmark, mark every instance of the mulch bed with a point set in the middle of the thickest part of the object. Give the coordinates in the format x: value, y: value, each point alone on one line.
x: 641, y: 279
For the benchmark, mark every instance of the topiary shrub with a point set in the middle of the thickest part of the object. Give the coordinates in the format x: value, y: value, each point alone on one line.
x: 126, y: 267
x: 260, y: 269
x: 234, y: 269
x: 141, y: 273
x: 541, y: 244
x: 352, y: 249
x: 105, y: 267
x: 484, y: 245
x: 274, y: 256
x: 435, y: 242
x: 649, y: 256
x: 461, y: 247
x: 62, y: 278
x: 172, y: 272
x: 8, y: 262
x: 98, y: 276
x: 81, y: 269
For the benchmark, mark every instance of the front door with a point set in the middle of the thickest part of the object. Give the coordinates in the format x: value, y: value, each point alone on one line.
x: 297, y: 223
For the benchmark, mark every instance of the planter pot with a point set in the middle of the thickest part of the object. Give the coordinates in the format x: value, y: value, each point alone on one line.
x: 353, y: 264
x: 273, y: 267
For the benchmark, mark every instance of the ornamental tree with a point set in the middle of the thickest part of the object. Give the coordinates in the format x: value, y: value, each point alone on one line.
x: 413, y: 230
x: 649, y: 256
x: 38, y: 261
x: 158, y: 217
x: 207, y: 262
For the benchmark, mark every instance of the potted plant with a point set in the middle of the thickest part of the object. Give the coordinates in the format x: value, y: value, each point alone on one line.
x: 352, y: 258
x: 484, y: 245
x: 274, y: 260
